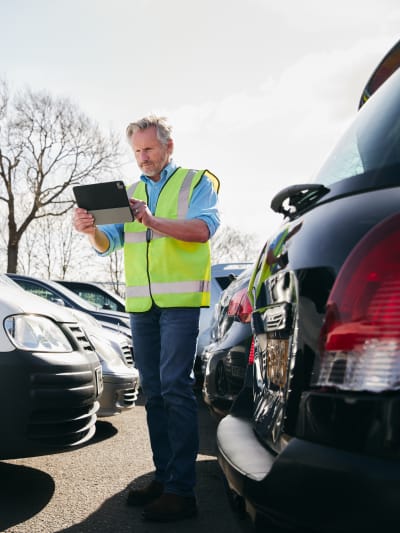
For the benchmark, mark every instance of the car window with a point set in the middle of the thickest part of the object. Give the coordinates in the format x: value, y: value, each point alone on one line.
x: 101, y: 301
x: 40, y: 291
x: 373, y: 140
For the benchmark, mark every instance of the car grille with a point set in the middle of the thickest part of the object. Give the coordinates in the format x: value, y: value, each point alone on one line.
x: 130, y: 397
x: 127, y: 353
x: 63, y: 427
x: 80, y: 337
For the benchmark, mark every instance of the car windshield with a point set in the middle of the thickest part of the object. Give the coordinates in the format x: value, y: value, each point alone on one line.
x: 373, y: 140
x: 5, y: 280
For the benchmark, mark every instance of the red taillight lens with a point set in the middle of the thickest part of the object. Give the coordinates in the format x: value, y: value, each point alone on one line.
x: 250, y: 361
x: 360, y: 340
x: 240, y: 307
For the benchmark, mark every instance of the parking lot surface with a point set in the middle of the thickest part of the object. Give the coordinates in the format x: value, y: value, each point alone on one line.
x: 84, y: 490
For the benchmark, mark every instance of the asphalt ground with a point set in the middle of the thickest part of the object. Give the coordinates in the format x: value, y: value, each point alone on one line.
x: 84, y: 490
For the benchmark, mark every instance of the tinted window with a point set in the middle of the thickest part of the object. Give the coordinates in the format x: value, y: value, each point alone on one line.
x: 40, y: 291
x: 100, y: 300
x: 373, y: 140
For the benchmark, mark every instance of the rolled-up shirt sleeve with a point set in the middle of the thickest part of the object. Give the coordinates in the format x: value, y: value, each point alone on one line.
x: 204, y: 205
x: 115, y: 235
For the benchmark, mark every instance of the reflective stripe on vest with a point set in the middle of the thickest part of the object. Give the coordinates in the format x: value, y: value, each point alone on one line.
x: 176, y: 287
x: 142, y: 236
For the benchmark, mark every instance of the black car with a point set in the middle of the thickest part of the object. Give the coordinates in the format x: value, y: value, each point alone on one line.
x: 318, y: 447
x: 226, y: 358
x: 50, y: 377
x: 57, y: 293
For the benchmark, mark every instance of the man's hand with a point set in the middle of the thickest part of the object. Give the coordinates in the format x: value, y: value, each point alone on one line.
x: 83, y: 221
x: 141, y: 212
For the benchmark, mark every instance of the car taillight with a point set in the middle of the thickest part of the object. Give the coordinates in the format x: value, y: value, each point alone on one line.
x: 239, y: 307
x: 360, y: 339
x: 250, y: 360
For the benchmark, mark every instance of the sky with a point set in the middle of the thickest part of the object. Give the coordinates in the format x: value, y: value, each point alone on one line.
x: 257, y: 91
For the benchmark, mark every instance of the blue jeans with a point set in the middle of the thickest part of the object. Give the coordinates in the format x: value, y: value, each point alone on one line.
x: 164, y: 343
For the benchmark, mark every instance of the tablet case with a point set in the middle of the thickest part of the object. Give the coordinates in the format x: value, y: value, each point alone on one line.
x: 108, y: 202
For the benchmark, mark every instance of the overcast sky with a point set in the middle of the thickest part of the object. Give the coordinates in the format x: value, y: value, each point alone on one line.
x: 258, y: 91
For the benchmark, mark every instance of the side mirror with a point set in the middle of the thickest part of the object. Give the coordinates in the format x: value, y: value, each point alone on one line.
x: 58, y: 301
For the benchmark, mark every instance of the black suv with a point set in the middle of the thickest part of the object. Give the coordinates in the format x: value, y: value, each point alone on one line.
x: 313, y: 441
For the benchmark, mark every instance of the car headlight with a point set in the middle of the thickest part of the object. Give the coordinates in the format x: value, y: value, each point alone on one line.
x: 36, y: 333
x: 104, y: 349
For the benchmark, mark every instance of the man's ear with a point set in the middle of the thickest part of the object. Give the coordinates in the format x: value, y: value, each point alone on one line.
x: 170, y: 146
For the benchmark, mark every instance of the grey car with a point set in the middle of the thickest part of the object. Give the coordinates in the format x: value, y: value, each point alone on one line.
x: 120, y: 377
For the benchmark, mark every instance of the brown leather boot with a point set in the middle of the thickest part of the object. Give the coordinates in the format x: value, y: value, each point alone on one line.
x: 170, y: 508
x: 146, y: 494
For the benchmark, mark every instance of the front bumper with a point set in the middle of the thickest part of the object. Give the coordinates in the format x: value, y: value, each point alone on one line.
x: 120, y: 392
x: 308, y: 485
x: 48, y: 401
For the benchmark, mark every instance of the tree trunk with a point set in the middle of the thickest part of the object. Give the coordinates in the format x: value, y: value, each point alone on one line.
x: 12, y: 257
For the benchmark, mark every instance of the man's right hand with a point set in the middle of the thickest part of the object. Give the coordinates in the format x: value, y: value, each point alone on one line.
x: 83, y: 221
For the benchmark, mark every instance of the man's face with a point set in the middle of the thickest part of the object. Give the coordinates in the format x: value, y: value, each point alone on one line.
x: 151, y: 156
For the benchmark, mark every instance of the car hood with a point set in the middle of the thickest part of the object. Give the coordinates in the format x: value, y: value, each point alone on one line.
x: 14, y: 300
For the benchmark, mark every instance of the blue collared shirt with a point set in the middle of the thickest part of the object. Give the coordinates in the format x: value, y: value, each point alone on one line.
x: 203, y: 205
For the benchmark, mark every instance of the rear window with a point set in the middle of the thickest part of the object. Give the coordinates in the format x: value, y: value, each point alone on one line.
x: 373, y: 140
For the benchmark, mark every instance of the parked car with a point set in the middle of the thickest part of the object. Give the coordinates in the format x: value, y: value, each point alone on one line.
x: 318, y: 447
x: 120, y: 377
x: 96, y: 295
x: 50, y: 378
x: 225, y: 359
x: 222, y: 274
x: 56, y: 293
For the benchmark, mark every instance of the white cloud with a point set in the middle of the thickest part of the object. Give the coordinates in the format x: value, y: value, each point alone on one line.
x: 263, y: 139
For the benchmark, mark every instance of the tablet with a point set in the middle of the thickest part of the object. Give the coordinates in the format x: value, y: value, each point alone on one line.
x: 108, y: 202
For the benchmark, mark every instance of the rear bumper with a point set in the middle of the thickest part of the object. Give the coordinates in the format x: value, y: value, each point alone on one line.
x: 309, y: 485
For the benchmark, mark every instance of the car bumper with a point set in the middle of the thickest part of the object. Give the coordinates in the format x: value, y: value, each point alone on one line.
x: 120, y: 392
x: 309, y: 485
x: 48, y: 402
x: 222, y: 381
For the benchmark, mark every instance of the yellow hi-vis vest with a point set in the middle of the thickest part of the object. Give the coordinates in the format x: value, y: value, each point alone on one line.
x: 161, y: 269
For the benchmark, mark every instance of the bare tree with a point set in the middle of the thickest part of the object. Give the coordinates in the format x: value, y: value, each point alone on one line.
x: 48, y: 243
x: 46, y: 146
x: 231, y: 245
x: 116, y: 271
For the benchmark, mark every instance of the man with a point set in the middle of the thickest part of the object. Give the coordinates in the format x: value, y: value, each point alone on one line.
x: 167, y: 271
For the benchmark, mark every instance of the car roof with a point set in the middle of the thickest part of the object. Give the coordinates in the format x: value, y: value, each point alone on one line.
x: 220, y: 269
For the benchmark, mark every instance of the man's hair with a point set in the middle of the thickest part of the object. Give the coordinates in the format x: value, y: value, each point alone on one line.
x: 163, y: 129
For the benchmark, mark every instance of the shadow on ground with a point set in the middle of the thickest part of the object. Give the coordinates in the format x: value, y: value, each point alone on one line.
x: 114, y: 515
x: 23, y: 493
